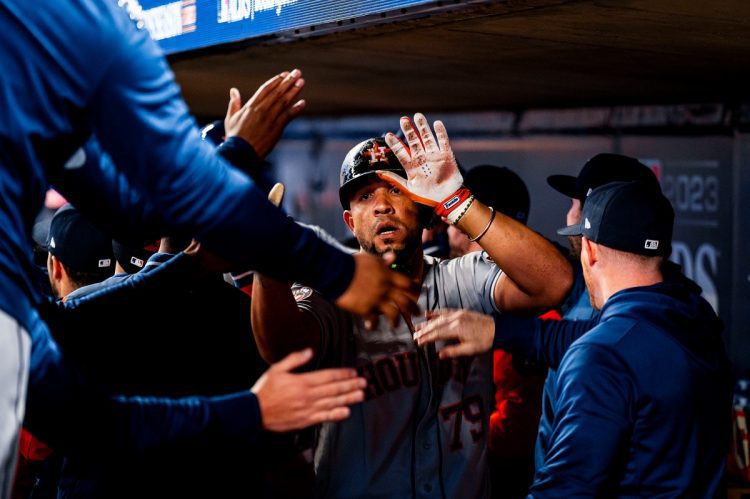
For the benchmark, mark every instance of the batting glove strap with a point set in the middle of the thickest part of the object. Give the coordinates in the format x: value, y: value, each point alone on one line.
x: 453, y: 203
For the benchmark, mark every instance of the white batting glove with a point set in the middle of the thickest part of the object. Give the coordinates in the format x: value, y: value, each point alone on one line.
x: 431, y: 168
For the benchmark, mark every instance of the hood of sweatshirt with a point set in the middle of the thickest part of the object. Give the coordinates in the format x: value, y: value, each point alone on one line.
x: 676, y: 308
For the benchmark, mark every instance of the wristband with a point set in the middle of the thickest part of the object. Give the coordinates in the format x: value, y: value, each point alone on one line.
x: 452, y: 202
x: 456, y: 215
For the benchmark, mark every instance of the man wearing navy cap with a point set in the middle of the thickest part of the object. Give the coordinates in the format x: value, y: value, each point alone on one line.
x: 643, y: 398
x: 79, y: 253
x: 599, y: 170
x: 596, y: 172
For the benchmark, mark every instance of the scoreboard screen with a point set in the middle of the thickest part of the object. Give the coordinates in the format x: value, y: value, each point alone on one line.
x: 182, y: 25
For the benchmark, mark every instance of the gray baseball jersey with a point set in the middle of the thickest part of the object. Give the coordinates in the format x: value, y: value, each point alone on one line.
x: 422, y: 430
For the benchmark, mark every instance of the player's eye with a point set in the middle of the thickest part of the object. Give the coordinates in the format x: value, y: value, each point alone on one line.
x: 365, y: 196
x: 395, y: 190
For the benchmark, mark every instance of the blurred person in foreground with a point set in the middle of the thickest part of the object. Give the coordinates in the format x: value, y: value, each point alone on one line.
x: 85, y: 89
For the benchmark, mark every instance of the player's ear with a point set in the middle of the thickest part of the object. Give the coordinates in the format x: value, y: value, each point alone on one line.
x: 55, y: 268
x: 349, y: 220
x: 589, y: 252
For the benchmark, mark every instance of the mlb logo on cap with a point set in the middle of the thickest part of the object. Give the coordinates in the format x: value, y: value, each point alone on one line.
x: 651, y: 244
x: 131, y: 255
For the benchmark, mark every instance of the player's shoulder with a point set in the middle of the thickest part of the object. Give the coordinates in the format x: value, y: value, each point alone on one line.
x: 469, y: 260
x: 310, y: 300
x: 300, y: 292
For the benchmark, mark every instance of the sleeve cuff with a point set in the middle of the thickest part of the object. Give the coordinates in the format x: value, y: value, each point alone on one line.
x: 240, y: 154
x: 237, y: 415
x: 516, y: 335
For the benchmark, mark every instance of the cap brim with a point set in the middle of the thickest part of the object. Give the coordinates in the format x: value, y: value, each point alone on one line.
x: 40, y: 232
x: 571, y: 230
x: 565, y: 184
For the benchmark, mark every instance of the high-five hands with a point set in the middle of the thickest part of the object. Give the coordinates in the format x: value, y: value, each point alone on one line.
x: 431, y: 168
x: 290, y: 401
x: 473, y: 331
x: 261, y: 120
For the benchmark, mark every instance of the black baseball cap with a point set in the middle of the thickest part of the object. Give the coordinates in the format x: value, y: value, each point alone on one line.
x: 599, y: 170
x: 76, y: 242
x: 501, y: 188
x: 629, y: 216
x: 132, y: 256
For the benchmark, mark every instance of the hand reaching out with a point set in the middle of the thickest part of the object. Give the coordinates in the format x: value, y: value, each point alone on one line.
x: 290, y: 401
x: 376, y: 289
x: 262, y: 119
x: 473, y: 331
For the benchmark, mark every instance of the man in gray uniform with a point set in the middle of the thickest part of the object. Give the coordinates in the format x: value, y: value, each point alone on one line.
x: 422, y: 431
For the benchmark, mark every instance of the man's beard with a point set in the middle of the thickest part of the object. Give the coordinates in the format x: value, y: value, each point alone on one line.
x: 403, y: 255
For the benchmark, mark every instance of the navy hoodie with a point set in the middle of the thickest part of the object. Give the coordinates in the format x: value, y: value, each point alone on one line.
x: 82, y: 73
x: 643, y: 402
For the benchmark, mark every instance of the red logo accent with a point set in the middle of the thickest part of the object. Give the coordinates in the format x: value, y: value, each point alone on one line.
x: 376, y: 154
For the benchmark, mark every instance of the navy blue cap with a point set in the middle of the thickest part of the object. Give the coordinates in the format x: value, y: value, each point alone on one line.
x: 599, y: 170
x: 634, y: 217
x: 76, y: 242
x: 132, y: 256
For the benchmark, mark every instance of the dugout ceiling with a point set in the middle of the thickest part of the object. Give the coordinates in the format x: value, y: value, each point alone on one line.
x: 499, y: 55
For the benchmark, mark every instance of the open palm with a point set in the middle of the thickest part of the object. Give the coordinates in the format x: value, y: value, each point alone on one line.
x: 430, y: 166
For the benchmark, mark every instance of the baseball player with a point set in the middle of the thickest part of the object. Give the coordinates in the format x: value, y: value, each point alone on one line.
x: 422, y: 432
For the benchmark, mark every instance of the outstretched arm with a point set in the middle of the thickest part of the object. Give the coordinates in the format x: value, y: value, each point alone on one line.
x: 193, y: 190
x: 540, y: 341
x: 535, y: 274
x: 67, y: 412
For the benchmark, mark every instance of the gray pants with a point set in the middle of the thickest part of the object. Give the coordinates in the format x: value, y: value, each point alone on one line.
x: 15, y: 347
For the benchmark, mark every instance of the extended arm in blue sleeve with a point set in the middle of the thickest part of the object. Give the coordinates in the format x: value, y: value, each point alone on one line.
x: 70, y: 414
x: 539, y: 341
x: 592, y: 415
x: 92, y: 182
x: 157, y: 146
x: 241, y: 155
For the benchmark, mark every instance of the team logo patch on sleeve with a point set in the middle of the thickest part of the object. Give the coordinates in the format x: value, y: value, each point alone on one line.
x: 302, y: 293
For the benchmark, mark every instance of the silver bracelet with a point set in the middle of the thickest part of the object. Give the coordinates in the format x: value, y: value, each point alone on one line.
x: 481, y: 234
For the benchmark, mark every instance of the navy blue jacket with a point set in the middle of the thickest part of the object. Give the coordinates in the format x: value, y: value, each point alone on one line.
x: 77, y: 69
x: 643, y: 401
x: 75, y: 416
x: 169, y: 330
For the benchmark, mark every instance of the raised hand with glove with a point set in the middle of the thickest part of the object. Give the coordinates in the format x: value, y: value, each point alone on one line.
x: 535, y: 274
x: 434, y: 179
